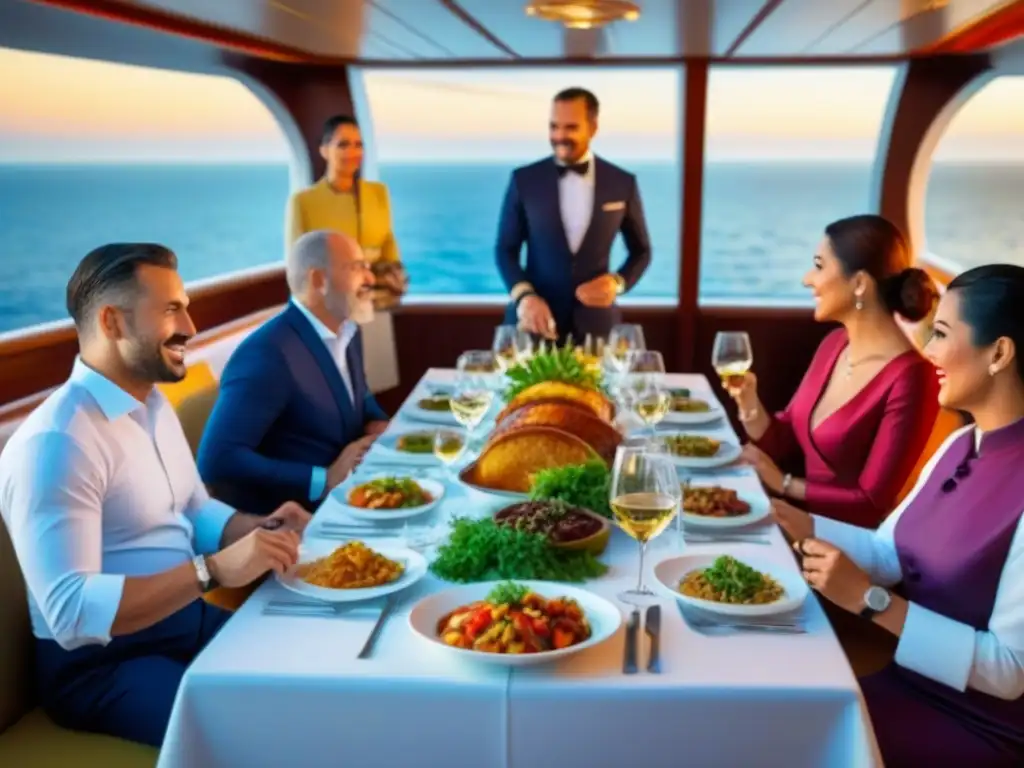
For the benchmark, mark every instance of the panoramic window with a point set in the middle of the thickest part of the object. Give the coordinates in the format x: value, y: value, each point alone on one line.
x: 788, y: 150
x: 92, y: 152
x: 975, y: 196
x: 447, y: 140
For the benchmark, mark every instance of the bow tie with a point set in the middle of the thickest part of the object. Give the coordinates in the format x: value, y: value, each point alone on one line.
x: 580, y: 168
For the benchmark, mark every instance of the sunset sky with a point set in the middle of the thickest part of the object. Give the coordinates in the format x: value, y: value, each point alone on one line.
x: 59, y: 109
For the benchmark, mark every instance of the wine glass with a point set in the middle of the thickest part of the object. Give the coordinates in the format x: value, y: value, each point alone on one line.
x: 448, y: 446
x: 524, y: 345
x: 506, y: 346
x: 732, y: 356
x: 481, y: 364
x: 622, y: 340
x: 644, y: 496
x: 470, y: 401
x: 650, y: 401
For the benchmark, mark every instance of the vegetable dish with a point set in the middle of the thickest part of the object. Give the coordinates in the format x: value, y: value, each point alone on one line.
x: 689, y: 405
x: 514, y: 620
x: 389, y: 493
x: 692, y: 446
x: 416, y: 442
x: 728, y: 580
x: 435, y: 403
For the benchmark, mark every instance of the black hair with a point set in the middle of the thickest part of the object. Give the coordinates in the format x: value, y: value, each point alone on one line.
x: 992, y: 304
x: 331, y: 124
x: 572, y: 94
x: 110, y: 269
x: 875, y: 245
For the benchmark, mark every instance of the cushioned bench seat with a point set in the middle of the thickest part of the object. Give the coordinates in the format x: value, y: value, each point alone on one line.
x: 35, y: 742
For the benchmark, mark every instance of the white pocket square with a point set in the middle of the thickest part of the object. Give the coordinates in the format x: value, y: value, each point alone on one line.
x: 616, y: 206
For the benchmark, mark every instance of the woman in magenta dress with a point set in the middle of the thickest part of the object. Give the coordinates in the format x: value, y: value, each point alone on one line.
x: 953, y: 695
x: 867, y: 405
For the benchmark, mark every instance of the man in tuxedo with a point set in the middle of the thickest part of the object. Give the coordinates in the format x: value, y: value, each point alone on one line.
x: 568, y: 209
x: 294, y: 415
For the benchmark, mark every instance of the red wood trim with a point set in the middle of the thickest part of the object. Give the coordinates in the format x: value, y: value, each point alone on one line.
x: 695, y: 104
x: 759, y: 18
x: 987, y: 30
x: 175, y: 24
x: 471, y: 21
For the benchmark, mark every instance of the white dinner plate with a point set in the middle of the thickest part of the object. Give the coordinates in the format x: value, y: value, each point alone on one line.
x: 413, y: 411
x: 760, y: 507
x: 694, y: 418
x: 415, y: 569
x: 386, y: 447
x: 728, y: 452
x: 668, y: 573
x: 604, y: 618
x: 340, y: 494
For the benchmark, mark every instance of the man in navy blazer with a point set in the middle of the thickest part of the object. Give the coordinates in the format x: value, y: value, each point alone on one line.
x: 294, y: 415
x: 568, y: 209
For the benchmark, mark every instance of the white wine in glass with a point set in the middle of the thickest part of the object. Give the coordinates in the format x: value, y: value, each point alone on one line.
x: 469, y: 406
x: 644, y: 497
x: 732, y: 357
x: 448, y: 447
x: 506, y: 347
x: 651, y: 405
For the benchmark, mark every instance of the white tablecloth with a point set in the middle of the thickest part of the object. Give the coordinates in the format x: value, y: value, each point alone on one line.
x: 274, y: 691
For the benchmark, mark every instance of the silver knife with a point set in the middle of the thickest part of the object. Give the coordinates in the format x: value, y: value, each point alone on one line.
x: 375, y: 632
x: 652, y: 626
x: 632, y: 630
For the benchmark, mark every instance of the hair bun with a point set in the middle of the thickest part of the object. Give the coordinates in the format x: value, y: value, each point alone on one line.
x: 911, y: 294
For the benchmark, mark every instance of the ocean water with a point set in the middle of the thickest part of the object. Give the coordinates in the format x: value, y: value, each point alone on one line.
x: 761, y: 223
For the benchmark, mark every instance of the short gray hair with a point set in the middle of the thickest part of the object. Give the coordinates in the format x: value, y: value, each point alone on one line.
x: 308, y: 252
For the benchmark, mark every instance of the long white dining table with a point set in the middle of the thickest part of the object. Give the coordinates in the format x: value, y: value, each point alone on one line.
x: 277, y: 691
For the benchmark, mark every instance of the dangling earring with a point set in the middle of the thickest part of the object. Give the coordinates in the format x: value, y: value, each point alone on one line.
x: 992, y: 371
x: 859, y: 304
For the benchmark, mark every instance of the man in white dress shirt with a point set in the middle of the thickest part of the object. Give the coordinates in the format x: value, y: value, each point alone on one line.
x: 116, y: 536
x: 295, y: 414
x: 568, y: 210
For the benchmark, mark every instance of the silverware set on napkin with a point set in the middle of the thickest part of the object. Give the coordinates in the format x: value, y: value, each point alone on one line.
x: 652, y: 628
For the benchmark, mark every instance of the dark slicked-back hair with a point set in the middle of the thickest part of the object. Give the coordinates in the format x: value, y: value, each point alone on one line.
x: 109, y: 270
x: 572, y: 94
x: 331, y: 124
x: 992, y: 304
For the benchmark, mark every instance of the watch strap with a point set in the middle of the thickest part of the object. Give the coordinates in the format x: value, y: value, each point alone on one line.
x: 206, y: 581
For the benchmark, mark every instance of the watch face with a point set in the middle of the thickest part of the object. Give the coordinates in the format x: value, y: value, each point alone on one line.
x: 877, y: 599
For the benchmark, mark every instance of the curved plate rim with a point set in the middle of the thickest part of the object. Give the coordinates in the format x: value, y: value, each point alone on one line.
x: 794, y: 584
x: 415, y: 569
x: 727, y: 454
x: 607, y: 609
x: 760, y: 508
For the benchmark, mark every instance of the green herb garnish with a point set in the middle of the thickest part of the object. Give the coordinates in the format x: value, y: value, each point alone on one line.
x: 482, y: 550
x: 579, y: 485
x: 508, y: 593
x: 736, y: 580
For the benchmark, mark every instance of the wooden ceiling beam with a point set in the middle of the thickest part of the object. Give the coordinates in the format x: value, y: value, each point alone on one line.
x: 998, y: 25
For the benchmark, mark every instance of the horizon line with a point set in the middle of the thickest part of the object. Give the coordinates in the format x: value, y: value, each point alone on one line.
x: 270, y: 162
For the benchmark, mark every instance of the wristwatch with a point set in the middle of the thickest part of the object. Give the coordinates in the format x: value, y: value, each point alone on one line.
x: 876, y: 600
x: 206, y: 581
x: 620, y: 283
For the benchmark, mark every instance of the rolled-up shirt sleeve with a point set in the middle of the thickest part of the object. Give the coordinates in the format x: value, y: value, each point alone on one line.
x: 209, y: 517
x: 55, y: 509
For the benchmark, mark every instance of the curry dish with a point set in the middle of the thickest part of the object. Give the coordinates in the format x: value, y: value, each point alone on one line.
x: 351, y: 566
x: 728, y: 580
x: 389, y: 493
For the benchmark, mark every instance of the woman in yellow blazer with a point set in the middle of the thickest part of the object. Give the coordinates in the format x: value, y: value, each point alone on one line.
x: 343, y: 202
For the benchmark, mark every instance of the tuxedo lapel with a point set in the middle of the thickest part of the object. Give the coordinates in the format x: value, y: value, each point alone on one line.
x: 600, y: 195
x: 326, y: 363
x: 550, y: 189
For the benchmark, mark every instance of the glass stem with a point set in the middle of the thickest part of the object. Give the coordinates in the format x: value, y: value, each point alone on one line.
x: 640, y: 577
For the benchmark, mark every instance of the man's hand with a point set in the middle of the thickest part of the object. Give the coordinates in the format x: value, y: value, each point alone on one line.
x: 348, y: 460
x: 253, y: 555
x: 535, y: 317
x: 292, y: 516
x: 599, y: 292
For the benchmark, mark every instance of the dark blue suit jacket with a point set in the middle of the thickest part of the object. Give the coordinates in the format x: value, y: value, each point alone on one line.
x: 282, y: 410
x: 531, y: 214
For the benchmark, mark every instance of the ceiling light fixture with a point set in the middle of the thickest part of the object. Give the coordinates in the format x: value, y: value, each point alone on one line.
x: 583, y: 14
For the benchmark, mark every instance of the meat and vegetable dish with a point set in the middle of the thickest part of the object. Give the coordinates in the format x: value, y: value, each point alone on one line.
x: 514, y: 620
x: 728, y: 580
x: 557, y: 520
x: 389, y: 493
x: 714, y: 502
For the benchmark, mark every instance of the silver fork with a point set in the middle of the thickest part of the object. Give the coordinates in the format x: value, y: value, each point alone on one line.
x: 311, y: 608
x: 371, y: 641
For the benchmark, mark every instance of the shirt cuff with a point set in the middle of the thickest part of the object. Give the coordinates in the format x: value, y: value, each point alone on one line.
x: 519, y: 289
x: 857, y: 543
x: 937, y: 647
x: 101, y: 597
x: 317, y: 483
x: 208, y: 525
